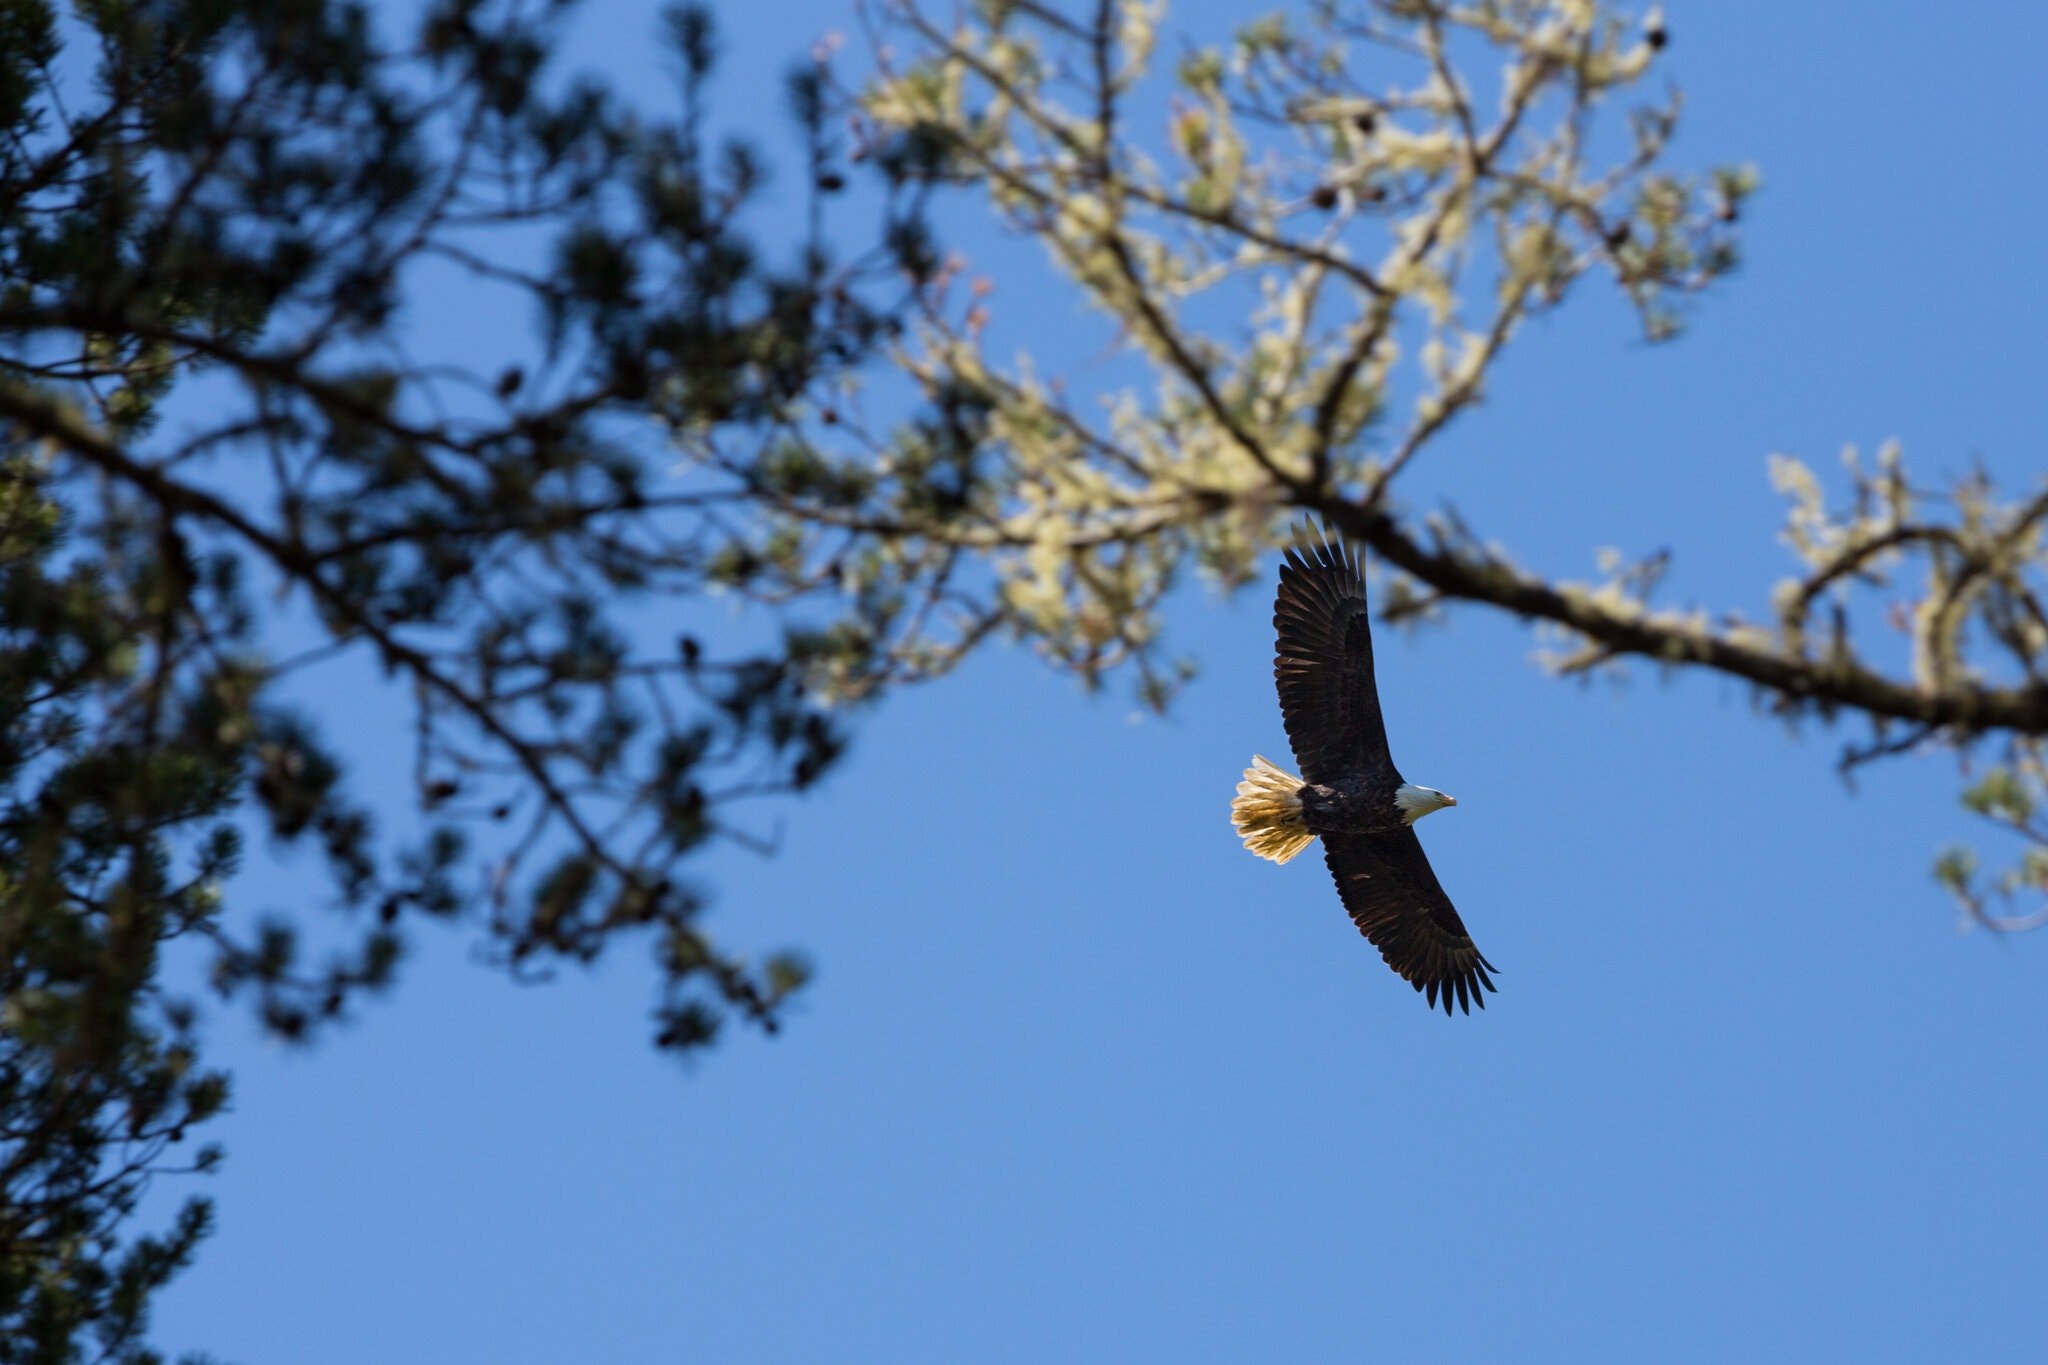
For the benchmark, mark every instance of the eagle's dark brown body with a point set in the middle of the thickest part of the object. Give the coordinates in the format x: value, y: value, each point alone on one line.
x: 1350, y: 806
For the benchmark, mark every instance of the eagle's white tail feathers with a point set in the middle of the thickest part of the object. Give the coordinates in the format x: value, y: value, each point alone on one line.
x: 1267, y: 812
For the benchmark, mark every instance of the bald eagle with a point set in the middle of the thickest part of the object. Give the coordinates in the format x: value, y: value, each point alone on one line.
x: 1349, y: 793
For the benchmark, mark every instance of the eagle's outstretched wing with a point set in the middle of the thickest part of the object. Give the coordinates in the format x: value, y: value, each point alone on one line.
x: 1323, y: 665
x: 1386, y: 883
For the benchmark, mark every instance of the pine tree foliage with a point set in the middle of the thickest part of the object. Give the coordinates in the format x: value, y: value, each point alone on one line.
x: 225, y: 462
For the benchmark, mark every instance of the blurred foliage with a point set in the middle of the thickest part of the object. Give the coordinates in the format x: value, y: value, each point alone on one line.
x: 223, y: 461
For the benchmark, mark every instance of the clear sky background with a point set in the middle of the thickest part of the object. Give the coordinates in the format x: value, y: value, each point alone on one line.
x: 1080, y: 1080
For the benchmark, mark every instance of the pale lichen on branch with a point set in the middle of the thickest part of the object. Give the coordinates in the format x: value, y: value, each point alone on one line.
x: 1317, y: 241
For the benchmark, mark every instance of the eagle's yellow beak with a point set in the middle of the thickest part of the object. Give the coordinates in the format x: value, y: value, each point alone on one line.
x: 1450, y: 800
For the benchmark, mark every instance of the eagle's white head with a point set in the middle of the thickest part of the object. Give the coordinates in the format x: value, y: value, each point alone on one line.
x: 1416, y: 802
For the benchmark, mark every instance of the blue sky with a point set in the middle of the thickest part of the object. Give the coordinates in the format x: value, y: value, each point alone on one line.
x: 1082, y: 1081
